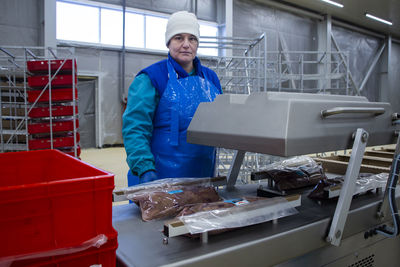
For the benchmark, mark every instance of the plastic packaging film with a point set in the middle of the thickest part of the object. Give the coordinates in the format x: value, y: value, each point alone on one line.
x: 96, y: 241
x: 134, y: 191
x: 365, y: 182
x: 199, y: 207
x: 291, y: 162
x: 244, y: 214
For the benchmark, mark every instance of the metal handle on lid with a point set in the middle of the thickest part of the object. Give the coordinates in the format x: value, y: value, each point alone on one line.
x: 352, y: 110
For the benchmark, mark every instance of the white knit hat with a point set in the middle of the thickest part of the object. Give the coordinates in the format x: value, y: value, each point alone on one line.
x: 182, y: 22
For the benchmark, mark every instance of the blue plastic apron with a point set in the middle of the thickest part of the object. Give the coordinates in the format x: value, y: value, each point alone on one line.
x: 173, y: 156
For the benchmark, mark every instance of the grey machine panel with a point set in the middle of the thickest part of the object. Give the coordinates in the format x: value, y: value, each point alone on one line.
x: 289, y: 124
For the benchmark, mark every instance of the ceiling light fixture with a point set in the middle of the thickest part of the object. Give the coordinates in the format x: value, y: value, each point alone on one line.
x: 333, y: 3
x: 378, y: 19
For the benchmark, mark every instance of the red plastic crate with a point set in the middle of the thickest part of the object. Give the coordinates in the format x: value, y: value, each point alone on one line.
x: 50, y: 200
x: 56, y: 111
x: 58, y: 81
x: 64, y: 94
x: 57, y: 126
x: 42, y: 66
x: 43, y: 143
x: 104, y: 256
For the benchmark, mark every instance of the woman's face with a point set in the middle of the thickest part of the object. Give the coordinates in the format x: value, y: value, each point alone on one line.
x: 183, y: 48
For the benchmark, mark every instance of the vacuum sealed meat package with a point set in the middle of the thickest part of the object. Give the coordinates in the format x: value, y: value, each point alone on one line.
x: 292, y: 173
x: 165, y: 202
x: 296, y: 177
x: 233, y: 213
x: 215, y: 206
x: 320, y: 190
x: 365, y: 182
x: 193, y: 208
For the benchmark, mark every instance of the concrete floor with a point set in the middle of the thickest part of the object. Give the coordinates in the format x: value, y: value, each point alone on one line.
x: 111, y: 160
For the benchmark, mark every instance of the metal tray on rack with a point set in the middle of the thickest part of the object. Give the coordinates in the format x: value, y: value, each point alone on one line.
x: 339, y: 165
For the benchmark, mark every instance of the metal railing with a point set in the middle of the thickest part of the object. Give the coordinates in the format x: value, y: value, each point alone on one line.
x: 309, y: 72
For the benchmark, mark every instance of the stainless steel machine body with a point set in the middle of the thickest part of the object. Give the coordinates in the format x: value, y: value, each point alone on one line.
x: 321, y: 234
x: 289, y: 124
x: 297, y: 240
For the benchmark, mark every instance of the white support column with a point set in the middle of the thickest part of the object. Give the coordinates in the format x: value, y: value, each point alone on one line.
x: 228, y: 18
x: 50, y: 23
x: 228, y: 23
x: 386, y: 72
x: 325, y: 47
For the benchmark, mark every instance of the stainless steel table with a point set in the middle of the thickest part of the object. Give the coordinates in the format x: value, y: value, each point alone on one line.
x: 296, y: 240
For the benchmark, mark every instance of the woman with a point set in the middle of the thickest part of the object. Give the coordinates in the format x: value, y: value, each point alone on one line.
x: 161, y: 103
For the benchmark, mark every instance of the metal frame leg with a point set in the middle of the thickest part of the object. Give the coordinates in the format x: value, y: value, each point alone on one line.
x: 235, y: 168
x: 347, y: 191
x: 382, y: 211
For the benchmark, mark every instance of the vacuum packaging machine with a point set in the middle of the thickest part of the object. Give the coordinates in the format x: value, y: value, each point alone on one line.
x: 347, y: 231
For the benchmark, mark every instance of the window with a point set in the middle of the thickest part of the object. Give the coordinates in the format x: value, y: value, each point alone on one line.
x: 97, y: 23
x: 155, y: 32
x: 134, y: 30
x: 208, y: 30
x: 111, y: 27
x: 77, y: 22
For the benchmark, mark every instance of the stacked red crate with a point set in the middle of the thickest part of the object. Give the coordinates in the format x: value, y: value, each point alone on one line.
x: 53, y: 111
x: 56, y: 110
x: 60, y: 125
x: 56, y: 211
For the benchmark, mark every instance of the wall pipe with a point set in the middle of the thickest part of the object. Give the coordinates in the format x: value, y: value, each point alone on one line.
x: 123, y: 52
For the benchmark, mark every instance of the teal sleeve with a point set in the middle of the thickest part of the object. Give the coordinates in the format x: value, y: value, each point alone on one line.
x: 137, y: 124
